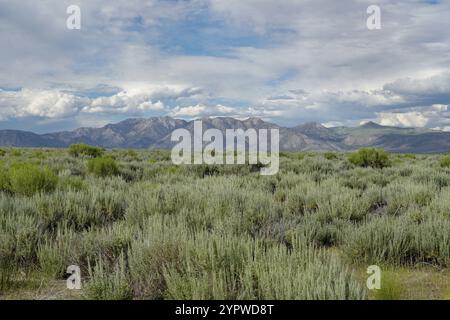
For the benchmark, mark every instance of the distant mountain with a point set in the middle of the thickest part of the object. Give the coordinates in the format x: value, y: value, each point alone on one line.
x: 16, y: 138
x: 130, y: 133
x: 156, y: 133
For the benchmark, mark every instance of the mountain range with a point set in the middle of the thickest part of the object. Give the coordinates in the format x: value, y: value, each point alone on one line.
x: 155, y: 133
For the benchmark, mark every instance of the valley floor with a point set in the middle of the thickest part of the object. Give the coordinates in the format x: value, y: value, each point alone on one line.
x: 140, y: 227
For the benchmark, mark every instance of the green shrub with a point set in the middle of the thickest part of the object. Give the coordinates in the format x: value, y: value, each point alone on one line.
x: 86, y: 150
x: 103, y: 167
x: 369, y: 157
x: 4, y: 179
x: 131, y: 153
x: 330, y: 155
x: 445, y: 162
x: 410, y: 156
x: 2, y: 153
x: 16, y: 152
x: 38, y: 154
x: 27, y: 179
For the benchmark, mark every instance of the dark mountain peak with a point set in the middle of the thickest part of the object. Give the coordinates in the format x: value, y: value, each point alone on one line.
x: 372, y: 125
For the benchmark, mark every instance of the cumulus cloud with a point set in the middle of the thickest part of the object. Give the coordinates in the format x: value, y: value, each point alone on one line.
x: 407, y: 119
x: 39, y: 103
x: 60, y: 104
x: 139, y: 99
x: 202, y: 110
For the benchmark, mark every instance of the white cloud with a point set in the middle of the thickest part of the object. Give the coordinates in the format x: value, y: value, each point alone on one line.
x: 138, y: 99
x: 58, y: 104
x: 39, y: 103
x: 407, y: 119
x: 202, y: 110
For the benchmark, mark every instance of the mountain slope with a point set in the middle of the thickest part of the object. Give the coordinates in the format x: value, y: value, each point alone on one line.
x: 156, y: 133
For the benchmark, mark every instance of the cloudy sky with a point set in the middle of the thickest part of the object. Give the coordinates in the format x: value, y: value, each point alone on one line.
x: 287, y: 61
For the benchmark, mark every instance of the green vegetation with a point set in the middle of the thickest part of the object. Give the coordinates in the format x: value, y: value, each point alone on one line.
x: 369, y: 157
x: 81, y: 149
x: 391, y: 288
x: 103, y: 167
x: 25, y: 178
x: 140, y: 227
x: 330, y: 155
x: 445, y: 162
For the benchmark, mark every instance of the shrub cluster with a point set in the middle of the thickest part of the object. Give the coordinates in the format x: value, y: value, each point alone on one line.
x: 25, y: 178
x: 103, y: 167
x: 77, y: 150
x: 445, y: 162
x: 369, y: 157
x: 146, y: 230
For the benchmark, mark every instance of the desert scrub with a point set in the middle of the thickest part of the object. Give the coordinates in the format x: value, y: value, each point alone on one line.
x: 19, y: 236
x: 103, y: 167
x: 4, y: 178
x: 71, y: 183
x: 395, y: 241
x: 401, y: 194
x: 54, y: 254
x: 232, y: 268
x: 81, y: 149
x: 27, y: 179
x: 158, y: 246
x: 16, y: 153
x: 108, y: 283
x: 369, y: 157
x: 158, y: 231
x: 330, y: 155
x: 445, y: 162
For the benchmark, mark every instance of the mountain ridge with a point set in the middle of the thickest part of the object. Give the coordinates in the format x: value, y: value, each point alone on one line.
x: 155, y: 133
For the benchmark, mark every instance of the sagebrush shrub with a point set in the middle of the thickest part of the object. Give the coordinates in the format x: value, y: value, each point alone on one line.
x: 370, y: 157
x: 330, y: 155
x: 4, y: 179
x: 445, y: 162
x: 103, y: 167
x: 108, y: 283
x: 16, y: 153
x: 152, y: 230
x: 27, y: 178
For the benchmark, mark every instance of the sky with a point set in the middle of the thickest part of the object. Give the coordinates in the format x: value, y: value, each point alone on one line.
x: 285, y: 61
